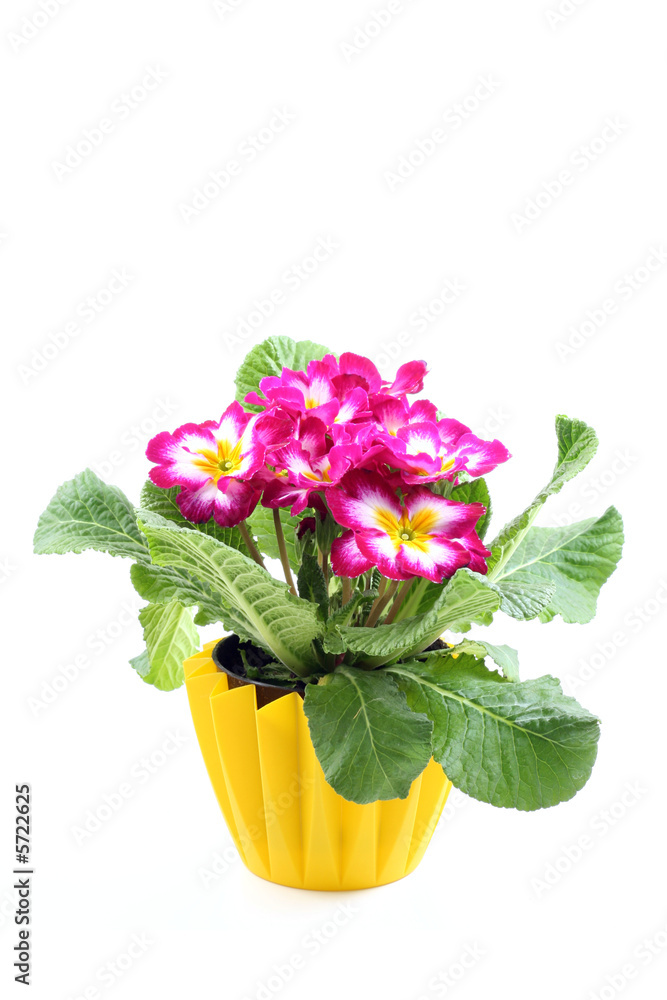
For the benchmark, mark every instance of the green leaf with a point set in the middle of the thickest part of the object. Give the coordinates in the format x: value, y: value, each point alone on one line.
x: 163, y: 502
x: 369, y: 743
x: 464, y: 599
x: 577, y: 444
x: 141, y: 663
x: 86, y: 513
x: 360, y: 599
x: 269, y: 358
x: 575, y: 561
x: 259, y: 607
x: 519, y: 745
x: 475, y: 491
x: 312, y: 585
x: 524, y: 599
x: 163, y: 584
x: 262, y: 526
x: 170, y: 637
x: 503, y: 656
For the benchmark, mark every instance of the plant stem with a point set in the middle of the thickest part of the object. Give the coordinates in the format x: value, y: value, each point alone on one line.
x: 398, y: 601
x: 282, y: 548
x: 347, y: 591
x: 252, y: 548
x: 381, y: 603
x: 325, y: 568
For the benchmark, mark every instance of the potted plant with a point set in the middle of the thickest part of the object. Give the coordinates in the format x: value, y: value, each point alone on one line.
x: 334, y: 717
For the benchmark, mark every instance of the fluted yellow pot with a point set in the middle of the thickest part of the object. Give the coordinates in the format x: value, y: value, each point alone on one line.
x: 288, y: 824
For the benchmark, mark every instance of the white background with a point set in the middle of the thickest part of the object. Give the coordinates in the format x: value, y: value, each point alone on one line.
x: 160, y: 354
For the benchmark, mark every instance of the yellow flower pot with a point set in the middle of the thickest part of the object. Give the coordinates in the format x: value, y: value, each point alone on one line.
x: 289, y: 825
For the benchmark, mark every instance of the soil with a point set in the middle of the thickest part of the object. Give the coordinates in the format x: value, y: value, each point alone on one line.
x: 228, y: 659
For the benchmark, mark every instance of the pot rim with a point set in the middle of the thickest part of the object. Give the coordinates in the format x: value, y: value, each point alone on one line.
x: 298, y: 689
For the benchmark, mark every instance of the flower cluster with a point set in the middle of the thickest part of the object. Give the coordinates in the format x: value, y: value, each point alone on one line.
x: 339, y: 439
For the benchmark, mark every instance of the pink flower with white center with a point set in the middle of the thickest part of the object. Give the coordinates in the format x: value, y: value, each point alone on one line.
x: 302, y: 393
x: 427, y: 452
x: 422, y: 536
x: 393, y: 413
x: 304, y: 470
x: 409, y: 377
x: 337, y: 392
x: 212, y: 463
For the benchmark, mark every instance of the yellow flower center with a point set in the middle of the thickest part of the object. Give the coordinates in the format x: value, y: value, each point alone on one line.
x: 225, y: 462
x: 416, y: 533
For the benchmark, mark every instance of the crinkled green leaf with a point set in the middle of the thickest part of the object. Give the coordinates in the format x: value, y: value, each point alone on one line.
x: 575, y: 561
x: 163, y: 502
x: 370, y: 744
x: 269, y: 358
x: 262, y: 526
x: 503, y: 656
x: 577, y: 444
x: 265, y: 610
x: 162, y: 584
x: 463, y: 599
x: 86, y: 513
x: 524, y: 599
x: 522, y: 745
x: 312, y: 585
x: 474, y: 491
x: 170, y: 637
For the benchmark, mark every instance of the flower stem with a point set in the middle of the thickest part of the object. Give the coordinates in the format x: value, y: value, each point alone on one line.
x: 252, y: 548
x: 381, y: 603
x: 347, y: 591
x: 398, y: 601
x: 282, y: 548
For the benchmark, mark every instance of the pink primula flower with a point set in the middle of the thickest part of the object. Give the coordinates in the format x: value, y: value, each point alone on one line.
x: 308, y: 466
x: 427, y: 452
x: 421, y: 536
x: 212, y: 462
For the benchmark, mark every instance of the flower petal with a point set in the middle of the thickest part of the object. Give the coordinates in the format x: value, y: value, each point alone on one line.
x: 356, y: 364
x: 431, y: 514
x: 437, y: 559
x: 362, y: 501
x: 409, y: 379
x: 346, y: 557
